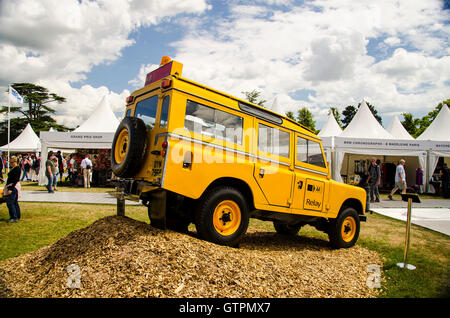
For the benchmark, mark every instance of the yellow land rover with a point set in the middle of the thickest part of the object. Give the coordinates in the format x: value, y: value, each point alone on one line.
x: 194, y: 154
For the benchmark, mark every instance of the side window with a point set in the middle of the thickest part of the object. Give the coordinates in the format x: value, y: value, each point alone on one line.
x: 164, y: 111
x: 309, y: 151
x: 146, y: 110
x: 273, y: 140
x: 213, y: 122
x: 128, y: 113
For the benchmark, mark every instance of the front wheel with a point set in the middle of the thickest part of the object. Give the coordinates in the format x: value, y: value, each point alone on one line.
x: 343, y: 231
x: 222, y: 216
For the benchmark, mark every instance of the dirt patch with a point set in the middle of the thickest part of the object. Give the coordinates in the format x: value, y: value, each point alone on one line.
x: 122, y: 257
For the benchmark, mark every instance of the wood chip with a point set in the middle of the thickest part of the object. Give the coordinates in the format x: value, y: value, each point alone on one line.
x: 122, y: 257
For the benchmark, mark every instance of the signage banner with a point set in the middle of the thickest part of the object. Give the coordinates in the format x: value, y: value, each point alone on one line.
x: 342, y: 142
x: 76, y: 136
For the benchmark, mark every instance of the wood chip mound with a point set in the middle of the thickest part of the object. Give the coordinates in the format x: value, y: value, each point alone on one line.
x: 121, y: 257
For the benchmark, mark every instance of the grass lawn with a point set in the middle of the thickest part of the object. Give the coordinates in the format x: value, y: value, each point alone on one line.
x: 43, y: 224
x: 63, y: 187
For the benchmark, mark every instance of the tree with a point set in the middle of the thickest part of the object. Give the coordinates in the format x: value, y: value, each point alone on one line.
x: 253, y: 96
x: 410, y: 123
x: 336, y: 115
x: 36, y: 111
x: 305, y: 118
x: 348, y: 113
x: 290, y: 115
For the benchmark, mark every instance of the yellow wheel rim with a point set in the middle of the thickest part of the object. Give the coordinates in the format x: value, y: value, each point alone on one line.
x: 121, y: 148
x: 227, y: 217
x: 348, y: 229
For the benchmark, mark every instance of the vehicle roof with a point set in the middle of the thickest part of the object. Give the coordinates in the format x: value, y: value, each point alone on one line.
x: 293, y: 124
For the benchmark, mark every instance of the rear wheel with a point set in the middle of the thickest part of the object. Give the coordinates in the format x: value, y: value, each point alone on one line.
x: 343, y: 231
x: 222, y: 216
x: 129, y: 147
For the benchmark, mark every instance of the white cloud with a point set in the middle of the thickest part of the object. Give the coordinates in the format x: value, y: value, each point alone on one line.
x: 278, y: 47
x: 59, y: 42
x: 139, y: 80
x: 322, y: 46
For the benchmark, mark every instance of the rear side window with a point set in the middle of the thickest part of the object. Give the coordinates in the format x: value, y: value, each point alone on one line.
x: 273, y: 140
x: 309, y: 151
x: 213, y: 122
x: 164, y: 111
x: 146, y: 110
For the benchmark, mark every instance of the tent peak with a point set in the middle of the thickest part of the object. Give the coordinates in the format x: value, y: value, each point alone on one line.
x: 331, y: 127
x: 101, y: 120
x: 397, y: 129
x: 365, y: 125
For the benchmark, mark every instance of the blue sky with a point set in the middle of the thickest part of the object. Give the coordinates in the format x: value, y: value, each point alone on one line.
x: 315, y: 53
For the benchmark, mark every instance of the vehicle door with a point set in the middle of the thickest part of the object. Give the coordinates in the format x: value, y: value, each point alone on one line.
x: 311, y: 188
x: 273, y: 162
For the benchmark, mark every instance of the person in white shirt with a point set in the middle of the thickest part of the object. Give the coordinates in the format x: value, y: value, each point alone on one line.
x: 86, y: 165
x: 400, y: 179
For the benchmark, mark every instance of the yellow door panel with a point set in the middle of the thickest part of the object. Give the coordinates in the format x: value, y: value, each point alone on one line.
x: 275, y: 181
x: 314, y: 195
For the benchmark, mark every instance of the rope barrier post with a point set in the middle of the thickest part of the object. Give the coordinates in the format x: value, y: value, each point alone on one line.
x: 410, y: 197
x: 120, y: 202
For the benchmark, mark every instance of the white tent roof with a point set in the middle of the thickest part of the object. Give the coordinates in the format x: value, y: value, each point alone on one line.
x: 331, y: 127
x: 440, y: 127
x: 275, y: 107
x: 27, y: 141
x: 365, y: 125
x: 101, y: 120
x: 397, y: 130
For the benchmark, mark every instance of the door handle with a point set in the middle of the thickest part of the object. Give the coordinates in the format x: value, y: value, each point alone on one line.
x: 261, y: 173
x: 300, y: 184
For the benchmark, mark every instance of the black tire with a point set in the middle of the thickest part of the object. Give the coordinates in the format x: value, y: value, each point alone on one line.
x: 343, y: 231
x: 287, y: 229
x: 222, y: 216
x: 127, y: 155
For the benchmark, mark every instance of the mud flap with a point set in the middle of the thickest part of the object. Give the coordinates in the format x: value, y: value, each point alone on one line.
x: 157, y: 209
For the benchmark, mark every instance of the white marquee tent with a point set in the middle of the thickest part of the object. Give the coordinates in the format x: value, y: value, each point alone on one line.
x: 97, y: 132
x: 331, y: 127
x: 397, y: 130
x: 365, y: 136
x: 330, y: 130
x: 437, y: 136
x: 27, y: 141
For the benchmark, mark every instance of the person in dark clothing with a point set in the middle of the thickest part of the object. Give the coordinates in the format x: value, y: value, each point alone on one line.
x: 445, y: 181
x: 60, y: 165
x: 11, y: 192
x: 1, y: 167
x: 374, y: 180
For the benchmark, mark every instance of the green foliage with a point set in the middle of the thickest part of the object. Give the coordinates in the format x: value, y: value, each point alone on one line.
x: 336, y: 115
x: 253, y: 97
x: 416, y: 126
x: 35, y: 111
x: 305, y: 118
x: 290, y: 115
x: 349, y: 112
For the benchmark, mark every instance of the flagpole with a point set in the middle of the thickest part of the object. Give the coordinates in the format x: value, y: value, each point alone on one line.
x: 9, y: 123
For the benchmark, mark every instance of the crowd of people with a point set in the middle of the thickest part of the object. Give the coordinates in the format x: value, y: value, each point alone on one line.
x: 374, y: 175
x: 56, y: 165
